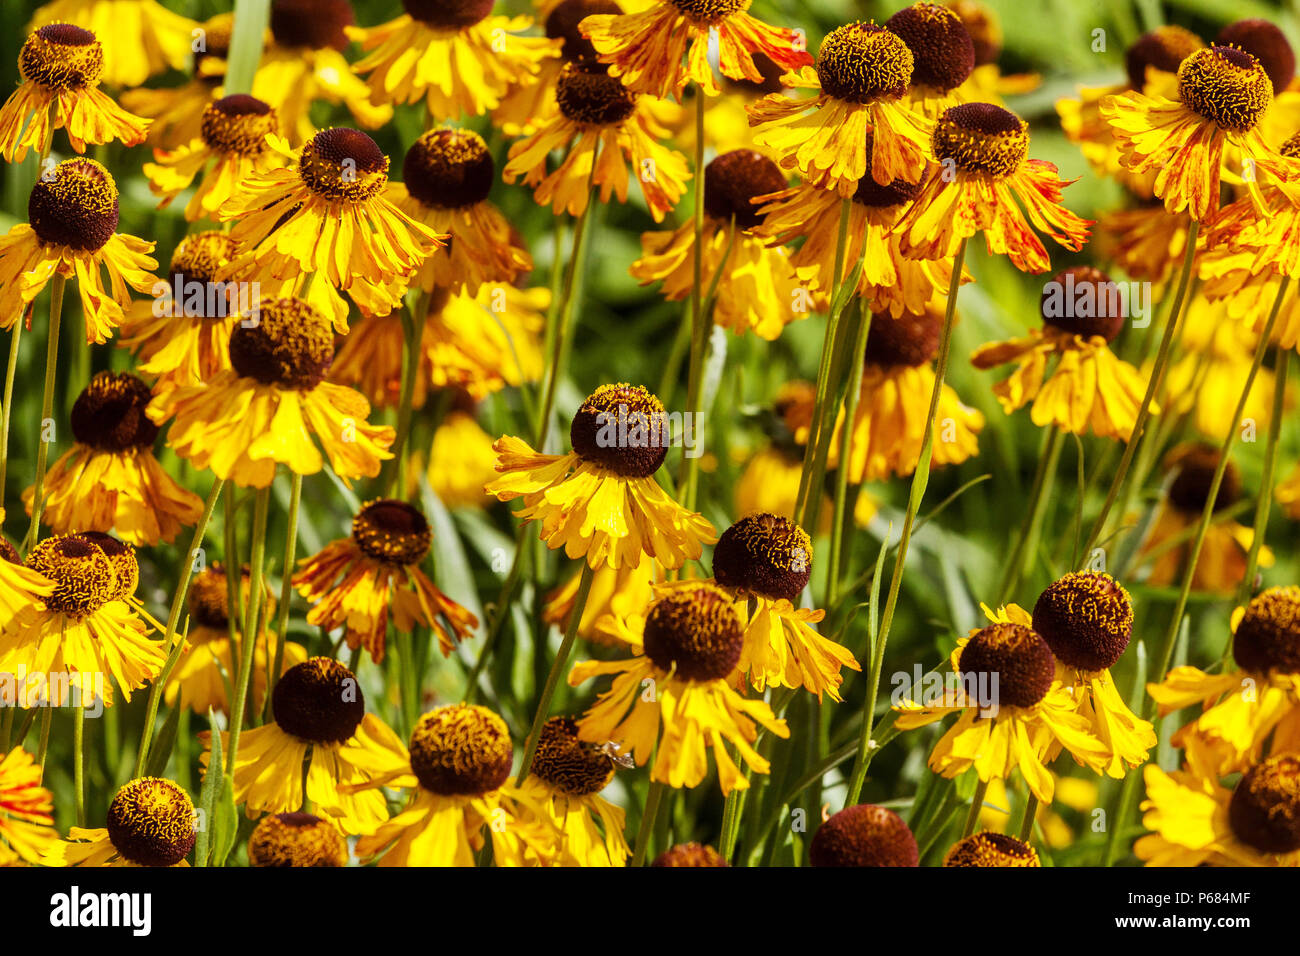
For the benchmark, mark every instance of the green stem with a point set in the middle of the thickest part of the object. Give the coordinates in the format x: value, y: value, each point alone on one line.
x: 851, y: 399
x: 79, y: 761
x: 286, y: 589
x: 43, y: 748
x: 976, y: 805
x: 1027, y: 821
x: 653, y: 800
x: 688, y: 476
x: 10, y: 370
x: 501, y: 612
x: 1022, y: 556
x: 47, y: 403
x: 1265, y: 502
x: 257, y: 559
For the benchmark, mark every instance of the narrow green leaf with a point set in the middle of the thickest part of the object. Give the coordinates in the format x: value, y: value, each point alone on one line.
x: 164, y: 742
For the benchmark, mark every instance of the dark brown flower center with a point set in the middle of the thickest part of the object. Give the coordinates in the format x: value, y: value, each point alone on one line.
x: 1164, y: 48
x: 912, y: 339
x: 696, y: 632
x: 562, y: 24
x: 83, y: 575
x: 991, y: 849
x: 764, y: 554
x: 1084, y: 301
x: 296, y: 839
x: 861, y: 62
x: 392, y: 532
x: 122, y: 556
x: 314, y: 24
x: 209, y: 596
x: 343, y: 164
x: 151, y: 822
x: 238, y: 125
x: 1020, y: 658
x: 60, y: 56
x: 943, y: 54
x: 1227, y: 86
x: 589, y: 96
x: 449, y: 168
x: 864, y: 836
x: 1267, y: 639
x: 1086, y: 618
x: 1264, y: 811
x: 109, y: 415
x: 449, y: 14
x: 623, y: 428
x: 291, y: 345
x: 568, y: 764
x: 710, y: 12
x: 1266, y: 43
x: 75, y: 205
x: 981, y: 138
x: 1190, y: 489
x: 461, y: 749
x: 318, y: 701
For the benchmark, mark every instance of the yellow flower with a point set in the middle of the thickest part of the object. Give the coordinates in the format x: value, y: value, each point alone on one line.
x: 991, y: 849
x: 26, y: 810
x: 22, y: 591
x: 621, y: 592
x: 141, y: 37
x: 862, y: 76
x: 110, y: 480
x: 327, y: 214
x: 459, y: 767
x: 600, y: 501
x: 177, y: 112
x: 265, y: 408
x: 354, y: 581
x: 61, y: 66
x: 320, y: 713
x: 613, y: 127
x: 980, y: 174
x: 755, y: 285
x: 296, y: 839
x: 73, y: 213
x: 150, y: 822
x: 461, y: 461
x: 455, y: 55
x: 233, y: 133
x: 687, y: 647
x: 486, y: 342
x: 647, y: 48
x: 1089, y: 388
x: 1147, y: 243
x: 943, y: 56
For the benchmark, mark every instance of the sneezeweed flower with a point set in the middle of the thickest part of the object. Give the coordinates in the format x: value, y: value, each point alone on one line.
x: 1259, y: 700
x: 141, y: 38
x: 600, y: 501
x: 1086, y: 618
x: 621, y: 592
x: 296, y: 840
x: 861, y: 80
x: 150, y: 822
x: 21, y: 590
x: 230, y: 147
x: 980, y: 180
x: 1268, y: 44
x: 647, y: 49
x: 943, y: 55
x: 177, y: 112
x: 1089, y: 389
x: 265, y: 409
x: 486, y: 342
x: 890, y: 281
x: 356, y: 581
x: 304, y: 64
x: 447, y: 175
x: 765, y: 562
x: 454, y: 54
x: 87, y: 626
x: 182, y: 335
x: 320, y: 716
x: 1197, y: 821
x: 61, y: 66
x: 459, y: 767
x: 26, y: 810
x: 1146, y: 243
x: 461, y: 461
x: 73, y: 217
x: 327, y: 214
x: 565, y: 779
x: 690, y: 855
x: 1021, y: 722
x: 863, y: 836
x: 756, y: 284
x: 987, y: 83
x: 601, y: 124
x: 991, y: 849
x: 688, y: 646
x: 1074, y: 798
x: 1222, y: 562
x: 1223, y: 92
x: 109, y: 480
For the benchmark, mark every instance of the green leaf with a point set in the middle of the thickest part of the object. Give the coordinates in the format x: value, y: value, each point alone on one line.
x: 251, y: 17
x: 225, y: 826
x: 208, y: 795
x: 164, y: 742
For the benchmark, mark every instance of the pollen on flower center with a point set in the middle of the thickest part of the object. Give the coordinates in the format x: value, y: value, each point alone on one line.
x: 209, y: 596
x: 861, y: 62
x: 1266, y: 43
x: 392, y: 532
x: 151, y: 822
x: 296, y: 840
x: 1086, y: 617
x: 568, y: 764
x: 1267, y: 639
x: 201, y: 256
x: 238, y: 125
x: 991, y: 849
x: 562, y: 24
x: 343, y: 164
x: 75, y: 205
x: 981, y: 138
x: 60, y: 56
x: 109, y: 415
x: 1164, y: 48
x: 319, y: 701
x: 1019, y: 656
x: 1225, y: 85
x: 733, y: 179
x: 461, y: 749
x: 875, y: 196
x: 765, y: 554
x: 696, y: 632
x: 942, y: 50
x: 912, y: 339
x: 589, y: 96
x: 449, y: 14
x: 1264, y: 811
x: 1085, y: 301
x: 122, y: 556
x: 1196, y: 465
x: 449, y: 168
x: 314, y: 24
x: 291, y: 345
x: 710, y: 12
x: 863, y: 836
x: 83, y: 575
x: 623, y: 428
x: 690, y: 855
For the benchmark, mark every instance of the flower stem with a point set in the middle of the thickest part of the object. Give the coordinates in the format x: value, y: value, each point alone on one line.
x: 257, y: 559
x: 976, y: 805
x: 557, y: 669
x: 286, y: 589
x: 47, y: 403
x: 412, y: 337
x: 1027, y: 821
x: 688, y: 477
x: 1153, y: 388
x: 851, y: 399
x: 1022, y: 555
x: 79, y: 762
x: 10, y: 369
x: 501, y: 611
x: 653, y: 800
x: 1266, y: 479
x: 920, y: 479
x: 43, y: 748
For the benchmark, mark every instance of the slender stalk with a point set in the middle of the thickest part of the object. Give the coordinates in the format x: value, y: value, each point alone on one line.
x: 257, y: 558
x: 976, y: 805
x: 920, y: 479
x: 688, y: 476
x: 652, y: 802
x: 557, y: 670
x: 1027, y: 821
x: 10, y: 369
x: 7, y: 724
x: 1022, y: 555
x: 47, y: 402
x: 286, y: 589
x: 79, y: 762
x: 1265, y: 501
x: 501, y: 611
x: 43, y: 748
x: 851, y: 399
x: 412, y: 337
x: 1153, y: 388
